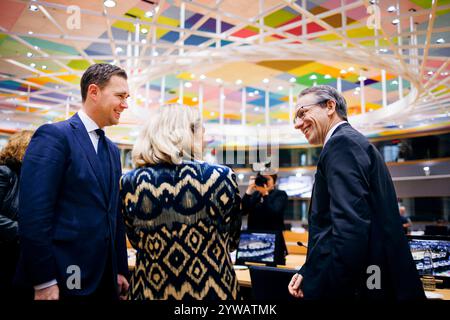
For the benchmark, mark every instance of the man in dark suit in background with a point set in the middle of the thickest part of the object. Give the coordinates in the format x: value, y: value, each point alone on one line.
x: 71, y: 231
x: 356, y: 247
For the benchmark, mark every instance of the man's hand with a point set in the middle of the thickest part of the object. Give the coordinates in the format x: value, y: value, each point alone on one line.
x: 50, y: 293
x: 264, y: 191
x: 123, y: 285
x: 294, y: 286
x: 251, y: 185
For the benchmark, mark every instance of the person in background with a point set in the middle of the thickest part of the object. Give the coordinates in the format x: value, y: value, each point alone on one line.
x: 71, y: 231
x: 10, y: 164
x: 356, y: 246
x: 181, y: 214
x: 406, y: 221
x: 264, y: 204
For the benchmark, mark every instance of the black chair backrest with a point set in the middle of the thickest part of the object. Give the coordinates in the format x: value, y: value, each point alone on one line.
x: 270, y: 283
x: 432, y: 230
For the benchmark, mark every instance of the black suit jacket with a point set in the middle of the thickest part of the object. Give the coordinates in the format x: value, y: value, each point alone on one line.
x: 67, y: 215
x: 354, y: 222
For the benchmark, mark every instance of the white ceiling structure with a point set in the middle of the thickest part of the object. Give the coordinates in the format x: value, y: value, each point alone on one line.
x: 240, y: 62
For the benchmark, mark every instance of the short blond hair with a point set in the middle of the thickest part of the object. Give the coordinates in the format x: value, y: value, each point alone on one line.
x: 16, y: 146
x: 169, y: 136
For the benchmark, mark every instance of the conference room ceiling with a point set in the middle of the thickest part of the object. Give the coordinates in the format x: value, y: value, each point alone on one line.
x: 240, y: 62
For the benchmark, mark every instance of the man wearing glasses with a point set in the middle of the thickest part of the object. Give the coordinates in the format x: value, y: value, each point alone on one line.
x: 356, y: 247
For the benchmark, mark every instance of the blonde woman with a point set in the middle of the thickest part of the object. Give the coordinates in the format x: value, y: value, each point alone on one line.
x: 10, y: 163
x: 181, y: 214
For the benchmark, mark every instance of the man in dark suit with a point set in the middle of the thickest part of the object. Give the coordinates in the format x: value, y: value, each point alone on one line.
x: 356, y: 247
x: 71, y: 231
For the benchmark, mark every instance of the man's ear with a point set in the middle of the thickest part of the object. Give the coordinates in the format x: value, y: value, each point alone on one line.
x: 93, y: 91
x: 331, y: 107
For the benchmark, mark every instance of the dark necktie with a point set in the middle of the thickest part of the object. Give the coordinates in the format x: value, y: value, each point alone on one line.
x: 102, y: 153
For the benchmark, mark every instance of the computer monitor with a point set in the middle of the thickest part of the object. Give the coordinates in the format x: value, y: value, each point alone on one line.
x: 264, y: 247
x: 432, y: 256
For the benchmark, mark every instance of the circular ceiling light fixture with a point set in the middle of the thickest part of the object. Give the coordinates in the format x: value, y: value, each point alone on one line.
x: 109, y: 3
x: 391, y: 9
x: 292, y: 80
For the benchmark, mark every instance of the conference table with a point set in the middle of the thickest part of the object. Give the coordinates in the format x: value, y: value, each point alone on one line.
x: 295, y: 261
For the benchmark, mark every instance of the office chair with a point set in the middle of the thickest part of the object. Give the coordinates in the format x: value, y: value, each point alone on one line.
x: 271, y: 283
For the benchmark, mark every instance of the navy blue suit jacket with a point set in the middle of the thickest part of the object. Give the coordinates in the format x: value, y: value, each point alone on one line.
x: 67, y: 215
x: 354, y: 222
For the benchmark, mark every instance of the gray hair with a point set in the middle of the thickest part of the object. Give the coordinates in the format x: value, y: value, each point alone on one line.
x: 324, y: 92
x: 172, y: 134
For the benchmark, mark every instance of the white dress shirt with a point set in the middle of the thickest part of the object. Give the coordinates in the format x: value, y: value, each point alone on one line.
x: 330, y: 133
x: 90, y: 126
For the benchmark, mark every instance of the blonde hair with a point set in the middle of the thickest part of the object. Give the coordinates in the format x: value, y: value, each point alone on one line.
x: 169, y: 136
x: 15, y: 148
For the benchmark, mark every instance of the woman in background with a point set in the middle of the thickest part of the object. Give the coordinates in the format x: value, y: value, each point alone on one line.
x: 10, y: 162
x: 181, y: 214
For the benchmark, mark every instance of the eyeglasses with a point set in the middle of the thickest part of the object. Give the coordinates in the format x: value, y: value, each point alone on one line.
x: 301, y: 111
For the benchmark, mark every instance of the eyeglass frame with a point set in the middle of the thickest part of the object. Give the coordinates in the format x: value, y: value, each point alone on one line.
x: 308, y: 105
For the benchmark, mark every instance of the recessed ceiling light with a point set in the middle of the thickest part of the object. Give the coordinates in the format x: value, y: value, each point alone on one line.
x: 265, y: 80
x: 238, y: 81
x: 119, y: 49
x: 44, y: 67
x: 440, y: 40
x: 391, y: 9
x: 430, y: 73
x: 144, y: 30
x: 292, y: 80
x: 395, y: 21
x: 327, y: 76
x: 29, y: 54
x: 30, y: 32
x: 33, y: 7
x: 195, y: 99
x: 202, y: 77
x: 218, y: 80
x: 109, y: 3
x: 149, y: 14
x: 188, y: 84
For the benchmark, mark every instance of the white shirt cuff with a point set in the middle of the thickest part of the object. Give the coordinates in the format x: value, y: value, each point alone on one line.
x: 45, y: 285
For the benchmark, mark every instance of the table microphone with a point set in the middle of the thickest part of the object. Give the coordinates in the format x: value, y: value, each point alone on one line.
x: 301, y: 244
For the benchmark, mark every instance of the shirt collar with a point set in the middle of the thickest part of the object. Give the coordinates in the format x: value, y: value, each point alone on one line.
x: 330, y: 133
x: 89, y: 124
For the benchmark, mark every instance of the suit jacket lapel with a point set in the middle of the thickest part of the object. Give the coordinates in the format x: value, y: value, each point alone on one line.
x: 86, y: 144
x: 112, y: 187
